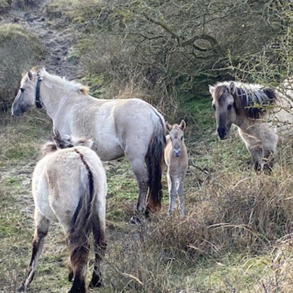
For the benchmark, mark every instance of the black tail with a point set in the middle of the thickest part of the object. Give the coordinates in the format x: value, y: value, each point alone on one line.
x: 154, y: 161
x: 81, y: 223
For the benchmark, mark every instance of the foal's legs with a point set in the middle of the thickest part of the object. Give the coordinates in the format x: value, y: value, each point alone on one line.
x: 181, y: 197
x: 172, y: 192
x: 41, y: 230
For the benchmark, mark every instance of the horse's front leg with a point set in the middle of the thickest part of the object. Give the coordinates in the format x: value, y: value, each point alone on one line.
x: 256, y: 152
x: 41, y: 230
x: 268, y: 162
x: 172, y: 192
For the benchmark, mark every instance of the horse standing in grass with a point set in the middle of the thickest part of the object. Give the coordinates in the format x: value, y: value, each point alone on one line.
x: 176, y: 159
x: 69, y: 186
x: 119, y: 127
x: 259, y: 113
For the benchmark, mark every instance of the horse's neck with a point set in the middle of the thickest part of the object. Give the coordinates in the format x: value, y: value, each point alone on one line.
x: 57, y: 101
x: 245, y: 124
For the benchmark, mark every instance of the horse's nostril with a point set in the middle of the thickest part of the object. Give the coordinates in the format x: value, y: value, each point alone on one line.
x: 222, y: 133
x: 177, y: 152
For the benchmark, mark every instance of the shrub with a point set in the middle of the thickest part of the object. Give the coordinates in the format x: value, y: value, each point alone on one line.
x: 19, y: 51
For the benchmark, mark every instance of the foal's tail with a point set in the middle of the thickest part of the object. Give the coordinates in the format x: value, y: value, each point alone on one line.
x: 154, y: 161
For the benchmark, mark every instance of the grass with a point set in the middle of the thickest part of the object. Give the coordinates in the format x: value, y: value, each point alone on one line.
x: 234, y: 238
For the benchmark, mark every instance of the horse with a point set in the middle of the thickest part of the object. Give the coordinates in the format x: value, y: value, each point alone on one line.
x: 176, y: 159
x: 130, y: 127
x: 69, y: 186
x: 261, y: 115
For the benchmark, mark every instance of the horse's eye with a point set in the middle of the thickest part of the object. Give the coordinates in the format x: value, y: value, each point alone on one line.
x: 229, y: 107
x: 22, y: 89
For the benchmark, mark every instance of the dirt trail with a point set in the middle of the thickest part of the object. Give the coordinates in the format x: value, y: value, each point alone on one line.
x: 57, y: 42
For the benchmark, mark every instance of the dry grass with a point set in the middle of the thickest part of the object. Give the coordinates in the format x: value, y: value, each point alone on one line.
x: 234, y: 238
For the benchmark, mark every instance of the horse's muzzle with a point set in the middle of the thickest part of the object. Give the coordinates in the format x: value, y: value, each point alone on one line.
x: 177, y: 153
x: 16, y: 113
x: 222, y: 133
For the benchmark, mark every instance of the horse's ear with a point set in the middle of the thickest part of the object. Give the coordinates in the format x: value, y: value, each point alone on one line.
x: 168, y: 126
x: 30, y: 75
x: 182, y: 125
x: 56, y: 136
x: 232, y: 88
x: 211, y: 89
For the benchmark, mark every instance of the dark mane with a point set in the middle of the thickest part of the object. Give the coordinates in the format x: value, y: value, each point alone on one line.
x: 253, y: 104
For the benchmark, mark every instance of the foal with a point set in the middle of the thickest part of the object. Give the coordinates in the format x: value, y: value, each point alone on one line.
x: 69, y: 186
x: 176, y: 159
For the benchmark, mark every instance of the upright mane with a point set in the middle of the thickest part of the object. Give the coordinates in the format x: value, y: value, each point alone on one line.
x: 251, y: 100
x: 62, y: 82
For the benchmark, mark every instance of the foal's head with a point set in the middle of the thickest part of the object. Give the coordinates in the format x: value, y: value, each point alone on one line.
x: 176, y: 136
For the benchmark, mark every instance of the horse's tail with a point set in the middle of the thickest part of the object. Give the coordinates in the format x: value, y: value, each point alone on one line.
x: 85, y: 217
x: 154, y: 161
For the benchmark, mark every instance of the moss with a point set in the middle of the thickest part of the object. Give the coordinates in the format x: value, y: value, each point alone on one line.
x: 15, y: 32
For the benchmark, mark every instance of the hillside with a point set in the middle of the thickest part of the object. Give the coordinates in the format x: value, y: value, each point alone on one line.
x: 236, y: 235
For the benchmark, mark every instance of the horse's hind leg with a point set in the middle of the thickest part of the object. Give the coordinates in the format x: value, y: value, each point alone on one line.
x: 78, y: 261
x: 99, y: 249
x: 41, y: 230
x: 141, y: 174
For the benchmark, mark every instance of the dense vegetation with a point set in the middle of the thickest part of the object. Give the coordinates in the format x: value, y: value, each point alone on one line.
x: 236, y: 236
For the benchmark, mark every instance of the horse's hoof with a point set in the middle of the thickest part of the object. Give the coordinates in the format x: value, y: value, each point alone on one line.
x: 21, y: 288
x: 135, y: 220
x: 98, y: 284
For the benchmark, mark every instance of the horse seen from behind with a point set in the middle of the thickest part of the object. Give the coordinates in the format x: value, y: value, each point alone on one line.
x: 176, y: 159
x: 69, y: 186
x: 119, y: 127
x: 261, y: 115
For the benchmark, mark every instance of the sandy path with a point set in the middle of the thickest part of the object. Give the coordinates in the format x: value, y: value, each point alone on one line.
x: 56, y: 41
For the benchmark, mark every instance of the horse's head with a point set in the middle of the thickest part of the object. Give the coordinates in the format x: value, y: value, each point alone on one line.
x: 176, y: 136
x: 223, y: 106
x: 27, y: 95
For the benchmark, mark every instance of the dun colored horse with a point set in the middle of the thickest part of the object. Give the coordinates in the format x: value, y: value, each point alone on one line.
x: 261, y: 115
x: 69, y: 186
x: 119, y: 127
x: 176, y: 159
